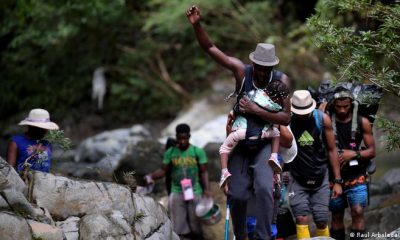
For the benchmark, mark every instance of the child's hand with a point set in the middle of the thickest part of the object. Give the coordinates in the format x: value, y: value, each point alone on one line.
x: 229, y: 122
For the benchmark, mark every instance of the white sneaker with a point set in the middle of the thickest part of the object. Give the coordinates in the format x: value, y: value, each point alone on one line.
x: 223, y: 178
x: 274, y: 164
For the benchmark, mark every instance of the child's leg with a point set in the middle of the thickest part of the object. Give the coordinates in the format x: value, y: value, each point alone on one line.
x: 226, y: 148
x: 273, y: 160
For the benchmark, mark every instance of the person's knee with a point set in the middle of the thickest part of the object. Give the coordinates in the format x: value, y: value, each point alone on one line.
x: 321, y: 225
x: 337, y: 217
x: 303, y: 220
x: 357, y: 213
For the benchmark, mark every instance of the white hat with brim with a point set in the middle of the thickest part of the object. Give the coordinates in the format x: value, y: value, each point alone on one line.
x: 302, y: 102
x: 288, y: 154
x: 264, y: 55
x: 39, y: 118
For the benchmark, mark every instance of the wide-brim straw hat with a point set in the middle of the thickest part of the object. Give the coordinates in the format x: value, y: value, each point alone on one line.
x: 264, y: 55
x: 302, y: 102
x: 288, y: 154
x: 39, y: 118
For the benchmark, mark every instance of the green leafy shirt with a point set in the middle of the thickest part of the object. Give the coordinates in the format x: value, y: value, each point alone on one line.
x: 184, y: 164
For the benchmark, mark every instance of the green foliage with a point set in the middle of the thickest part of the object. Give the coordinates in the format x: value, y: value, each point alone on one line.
x: 362, y: 42
x: 56, y: 137
x: 366, y: 50
x: 49, y: 50
x: 392, y: 130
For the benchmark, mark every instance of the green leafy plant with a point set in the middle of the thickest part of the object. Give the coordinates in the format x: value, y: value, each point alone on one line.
x: 362, y: 43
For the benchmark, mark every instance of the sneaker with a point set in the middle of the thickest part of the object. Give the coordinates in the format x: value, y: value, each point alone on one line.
x: 223, y: 179
x: 274, y: 164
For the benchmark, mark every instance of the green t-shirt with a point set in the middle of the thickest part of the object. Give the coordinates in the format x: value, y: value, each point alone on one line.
x: 184, y: 163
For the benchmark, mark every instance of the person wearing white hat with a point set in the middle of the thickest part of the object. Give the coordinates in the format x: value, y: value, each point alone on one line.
x: 240, y: 184
x: 30, y: 148
x: 308, y: 188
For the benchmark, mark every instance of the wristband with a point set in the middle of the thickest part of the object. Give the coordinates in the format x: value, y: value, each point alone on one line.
x: 358, y: 155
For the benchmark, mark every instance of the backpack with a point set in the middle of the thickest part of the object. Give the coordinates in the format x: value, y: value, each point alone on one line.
x: 255, y: 124
x: 366, y: 103
x: 168, y: 177
x: 367, y: 96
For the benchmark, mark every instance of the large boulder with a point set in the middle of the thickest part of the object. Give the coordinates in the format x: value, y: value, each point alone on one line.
x: 14, y: 227
x: 70, y: 228
x: 143, y: 157
x: 392, y: 177
x: 45, y: 231
x: 64, y: 197
x: 107, y: 146
x: 104, y: 226
x: 9, y: 178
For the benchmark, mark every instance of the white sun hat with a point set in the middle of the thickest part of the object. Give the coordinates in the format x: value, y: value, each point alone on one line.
x: 302, y: 102
x: 39, y: 118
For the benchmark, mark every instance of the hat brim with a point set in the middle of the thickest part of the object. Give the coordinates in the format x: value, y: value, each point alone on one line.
x: 44, y: 125
x: 273, y: 63
x: 303, y: 111
x: 288, y: 154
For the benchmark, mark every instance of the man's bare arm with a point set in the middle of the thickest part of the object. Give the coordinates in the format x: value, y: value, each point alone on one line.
x: 12, y: 152
x: 331, y: 146
x: 369, y: 140
x: 231, y: 63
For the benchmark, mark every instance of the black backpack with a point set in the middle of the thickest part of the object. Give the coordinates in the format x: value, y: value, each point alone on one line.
x: 366, y: 103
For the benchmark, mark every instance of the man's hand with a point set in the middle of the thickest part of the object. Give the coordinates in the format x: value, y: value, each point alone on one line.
x: 207, y: 194
x: 193, y: 15
x: 149, y: 180
x: 345, y: 155
x: 246, y: 105
x: 229, y: 122
x: 336, y: 191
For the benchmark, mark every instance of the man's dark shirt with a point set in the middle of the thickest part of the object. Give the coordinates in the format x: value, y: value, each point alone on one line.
x: 310, y: 163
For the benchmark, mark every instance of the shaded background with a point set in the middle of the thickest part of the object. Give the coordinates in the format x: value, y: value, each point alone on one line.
x: 153, y: 64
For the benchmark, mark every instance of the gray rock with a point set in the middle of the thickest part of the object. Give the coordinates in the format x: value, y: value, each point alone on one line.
x: 70, y: 228
x: 164, y: 232
x: 14, y: 227
x: 64, y: 197
x: 383, y: 220
x: 45, y: 231
x: 392, y: 177
x: 143, y: 157
x: 10, y: 178
x: 110, y: 144
x: 149, y: 217
x: 105, y: 226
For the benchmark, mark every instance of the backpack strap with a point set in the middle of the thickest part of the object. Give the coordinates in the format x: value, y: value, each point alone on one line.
x: 354, y: 121
x: 276, y: 75
x: 319, y: 122
x: 248, y: 81
x: 354, y: 126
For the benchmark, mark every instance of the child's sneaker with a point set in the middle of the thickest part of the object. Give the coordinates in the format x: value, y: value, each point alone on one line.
x: 273, y: 162
x: 224, y: 176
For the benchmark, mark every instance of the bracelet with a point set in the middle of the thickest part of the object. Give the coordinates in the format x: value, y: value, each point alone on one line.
x: 358, y: 154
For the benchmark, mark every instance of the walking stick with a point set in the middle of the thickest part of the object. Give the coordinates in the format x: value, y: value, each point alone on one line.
x: 227, y: 218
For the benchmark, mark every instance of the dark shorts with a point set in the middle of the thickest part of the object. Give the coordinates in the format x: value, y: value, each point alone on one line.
x: 352, y: 196
x: 305, y: 201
